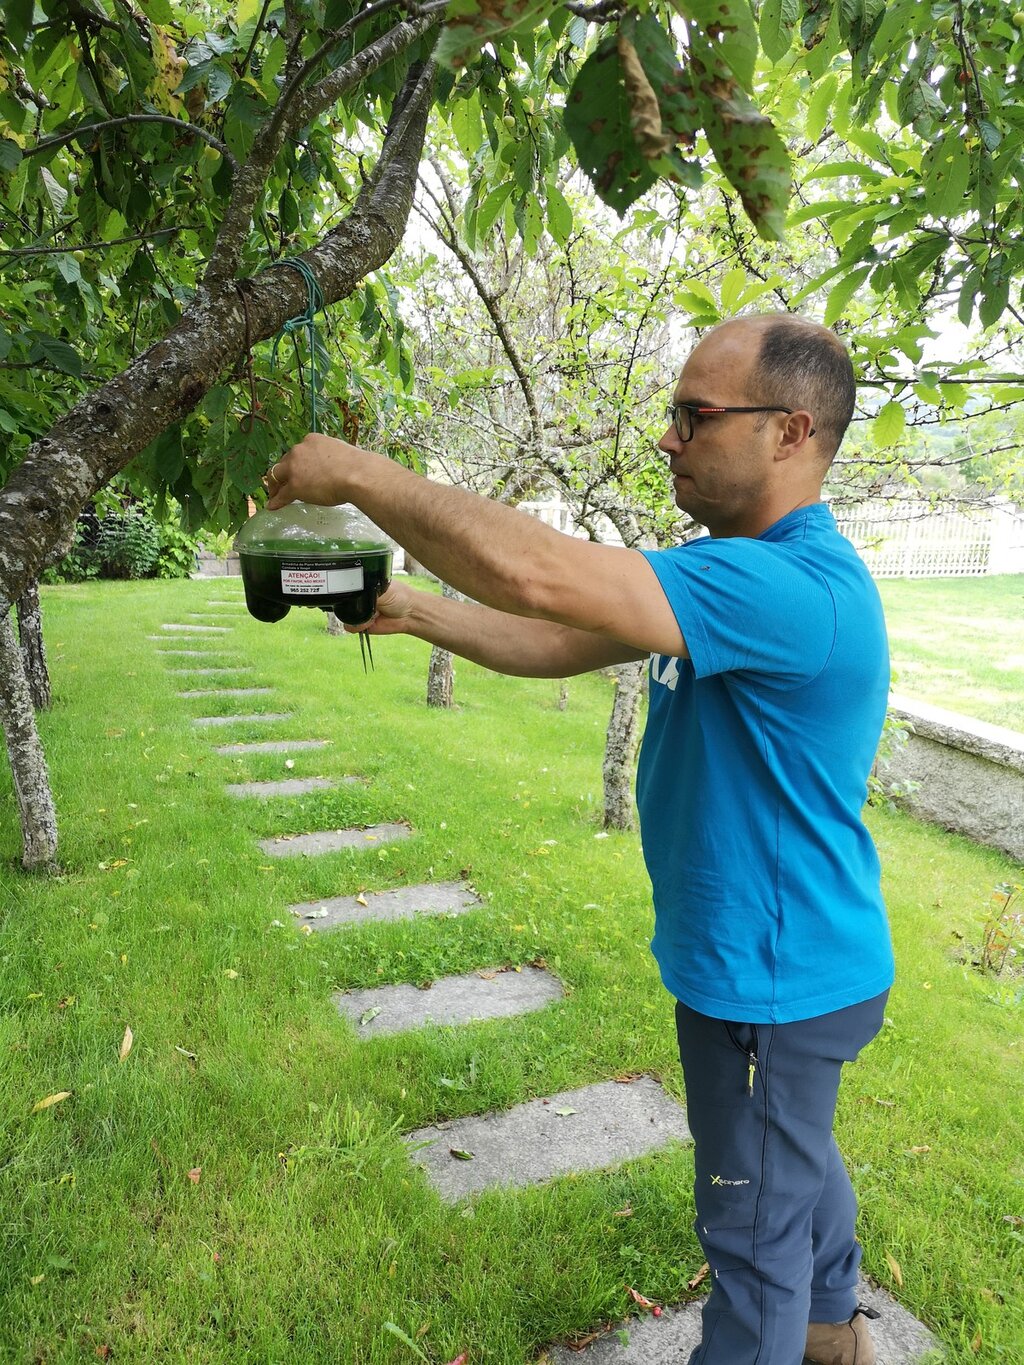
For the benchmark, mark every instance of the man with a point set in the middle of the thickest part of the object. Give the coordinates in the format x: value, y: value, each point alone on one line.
x: 769, y: 686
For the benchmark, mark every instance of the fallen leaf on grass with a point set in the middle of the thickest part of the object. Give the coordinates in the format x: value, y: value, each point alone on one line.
x: 50, y: 1100
x: 126, y: 1044
x: 564, y: 1113
x: 194, y: 1174
x: 370, y: 1014
x: 459, y: 1154
x: 639, y: 1298
x: 627, y: 1212
x: 976, y: 1343
x: 918, y: 1150
x: 37, y: 1279
x: 103, y: 1352
x: 360, y: 899
x: 894, y: 1266
x: 192, y: 1056
x: 1014, y: 1219
x: 230, y: 973
x: 700, y: 1277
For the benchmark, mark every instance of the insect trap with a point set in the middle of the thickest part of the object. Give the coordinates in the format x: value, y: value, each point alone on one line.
x: 301, y: 555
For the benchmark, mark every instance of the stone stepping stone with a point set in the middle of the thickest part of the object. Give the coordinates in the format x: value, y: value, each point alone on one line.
x: 289, y: 786
x: 493, y: 994
x: 167, y: 640
x: 273, y: 746
x: 404, y: 902
x: 182, y: 653
x: 257, y: 716
x: 577, y: 1130
x: 205, y: 630
x: 222, y: 602
x: 899, y: 1338
x: 227, y: 692
x: 329, y: 841
x: 202, y: 672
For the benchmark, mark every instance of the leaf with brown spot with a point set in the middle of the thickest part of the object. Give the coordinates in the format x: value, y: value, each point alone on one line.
x: 894, y: 1266
x: 472, y: 23
x: 126, y: 1044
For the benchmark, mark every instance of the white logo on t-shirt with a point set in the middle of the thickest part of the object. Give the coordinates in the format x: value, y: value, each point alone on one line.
x: 665, y: 670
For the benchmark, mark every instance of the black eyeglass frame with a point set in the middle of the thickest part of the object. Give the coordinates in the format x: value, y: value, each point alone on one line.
x: 696, y: 410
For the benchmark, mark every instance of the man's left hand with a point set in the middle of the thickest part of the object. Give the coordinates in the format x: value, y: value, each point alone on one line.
x: 319, y: 470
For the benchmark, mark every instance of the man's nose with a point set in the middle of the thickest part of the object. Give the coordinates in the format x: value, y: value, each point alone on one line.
x: 670, y: 443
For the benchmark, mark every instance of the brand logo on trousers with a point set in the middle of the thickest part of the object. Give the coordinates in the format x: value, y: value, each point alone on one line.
x: 721, y: 1180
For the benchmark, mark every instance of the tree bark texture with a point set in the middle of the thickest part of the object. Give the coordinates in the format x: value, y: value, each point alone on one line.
x: 441, y: 672
x: 563, y: 694
x: 33, y: 651
x: 28, y: 762
x: 334, y: 626
x: 111, y: 425
x: 621, y: 746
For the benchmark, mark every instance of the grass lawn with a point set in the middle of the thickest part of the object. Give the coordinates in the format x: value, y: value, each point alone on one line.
x: 959, y: 643
x: 304, y: 1228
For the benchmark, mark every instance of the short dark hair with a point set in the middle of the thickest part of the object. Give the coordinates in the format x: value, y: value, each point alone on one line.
x: 801, y: 364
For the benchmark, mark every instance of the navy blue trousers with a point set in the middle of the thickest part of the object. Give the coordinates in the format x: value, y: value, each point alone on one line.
x: 775, y: 1207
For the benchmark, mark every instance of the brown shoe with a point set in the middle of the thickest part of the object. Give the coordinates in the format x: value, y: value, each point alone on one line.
x: 841, y: 1343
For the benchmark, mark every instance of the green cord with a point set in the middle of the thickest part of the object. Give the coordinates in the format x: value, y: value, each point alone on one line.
x: 306, y: 320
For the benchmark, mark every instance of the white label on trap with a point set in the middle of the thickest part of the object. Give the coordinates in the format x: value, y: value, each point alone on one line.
x: 321, y: 582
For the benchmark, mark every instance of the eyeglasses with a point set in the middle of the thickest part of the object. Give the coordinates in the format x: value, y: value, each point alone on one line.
x: 681, y: 416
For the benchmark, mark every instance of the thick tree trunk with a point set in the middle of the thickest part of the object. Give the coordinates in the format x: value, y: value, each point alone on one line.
x: 28, y: 762
x: 33, y: 651
x: 621, y: 745
x: 441, y: 673
x: 41, y: 500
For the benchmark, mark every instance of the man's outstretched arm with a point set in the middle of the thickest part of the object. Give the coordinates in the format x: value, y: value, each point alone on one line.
x: 518, y: 645
x: 500, y: 557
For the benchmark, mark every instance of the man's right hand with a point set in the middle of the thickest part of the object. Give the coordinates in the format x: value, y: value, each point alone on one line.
x: 394, y: 608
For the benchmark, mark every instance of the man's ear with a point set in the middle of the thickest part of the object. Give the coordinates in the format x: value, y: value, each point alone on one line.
x: 794, y: 433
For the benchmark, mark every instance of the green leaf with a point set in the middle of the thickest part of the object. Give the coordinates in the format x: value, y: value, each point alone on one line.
x: 778, y: 19
x: 819, y: 106
x: 733, y: 287
x: 995, y: 290
x: 159, y: 11
x: 559, y: 215
x: 168, y: 455
x: 968, y: 295
x: 887, y: 428
x: 843, y: 292
x: 57, y: 353
x: 491, y: 207
x: 946, y: 169
x: 10, y: 154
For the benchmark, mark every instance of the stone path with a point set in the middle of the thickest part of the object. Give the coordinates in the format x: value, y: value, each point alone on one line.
x: 494, y: 994
x: 590, y: 1128
x: 331, y: 840
x: 203, y: 672
x: 289, y: 786
x: 273, y: 746
x: 257, y: 716
x: 668, y: 1340
x: 227, y: 692
x: 404, y: 902
x: 577, y: 1130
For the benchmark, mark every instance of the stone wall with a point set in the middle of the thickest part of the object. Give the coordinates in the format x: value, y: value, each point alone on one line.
x: 968, y: 775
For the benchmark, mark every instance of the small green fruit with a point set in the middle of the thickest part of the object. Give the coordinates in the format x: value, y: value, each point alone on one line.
x: 79, y: 255
x: 1018, y: 19
x: 944, y: 25
x: 509, y: 121
x: 210, y: 153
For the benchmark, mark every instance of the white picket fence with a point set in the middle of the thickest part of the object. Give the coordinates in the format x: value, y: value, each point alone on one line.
x: 895, y: 540
x: 921, y: 542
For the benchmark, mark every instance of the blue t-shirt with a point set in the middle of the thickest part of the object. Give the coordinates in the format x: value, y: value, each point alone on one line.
x: 753, y: 774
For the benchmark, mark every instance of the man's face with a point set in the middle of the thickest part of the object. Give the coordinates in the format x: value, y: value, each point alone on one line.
x: 723, y: 473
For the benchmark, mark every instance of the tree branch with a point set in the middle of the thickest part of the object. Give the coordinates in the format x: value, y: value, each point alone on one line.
x: 49, y: 144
